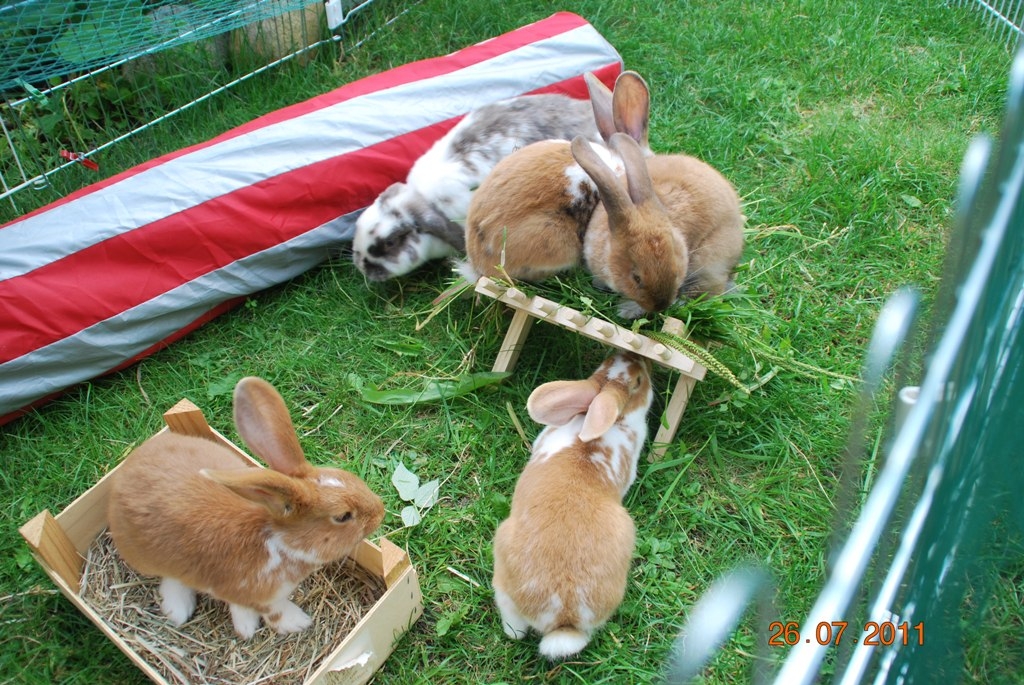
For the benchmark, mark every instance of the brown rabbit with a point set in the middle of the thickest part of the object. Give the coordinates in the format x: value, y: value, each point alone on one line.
x: 674, y: 229
x: 422, y: 219
x: 190, y: 511
x: 562, y: 556
x: 528, y: 216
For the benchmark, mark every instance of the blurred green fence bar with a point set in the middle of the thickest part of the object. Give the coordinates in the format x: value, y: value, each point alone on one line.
x: 956, y: 460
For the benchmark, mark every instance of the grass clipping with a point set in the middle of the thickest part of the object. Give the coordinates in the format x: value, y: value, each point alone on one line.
x: 206, y: 649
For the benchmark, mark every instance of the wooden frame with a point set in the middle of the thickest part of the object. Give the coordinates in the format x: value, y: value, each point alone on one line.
x: 529, y: 309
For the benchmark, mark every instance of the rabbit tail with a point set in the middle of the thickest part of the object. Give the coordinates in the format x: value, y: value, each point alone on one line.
x: 563, y: 642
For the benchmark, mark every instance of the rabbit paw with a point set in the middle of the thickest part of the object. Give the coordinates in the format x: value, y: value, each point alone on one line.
x: 631, y: 310
x: 245, y: 620
x: 512, y: 622
x: 177, y: 601
x: 286, y: 617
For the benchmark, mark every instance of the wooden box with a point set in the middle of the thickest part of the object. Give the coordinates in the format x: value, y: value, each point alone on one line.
x: 60, y: 542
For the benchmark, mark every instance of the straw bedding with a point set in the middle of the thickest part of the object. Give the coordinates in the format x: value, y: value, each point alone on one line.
x: 206, y: 649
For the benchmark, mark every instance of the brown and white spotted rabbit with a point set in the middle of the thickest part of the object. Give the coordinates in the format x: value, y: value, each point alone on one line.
x: 562, y: 556
x: 528, y: 217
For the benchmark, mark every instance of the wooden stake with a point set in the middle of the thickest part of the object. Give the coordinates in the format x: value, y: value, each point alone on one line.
x: 187, y: 419
x: 514, y: 340
x: 673, y: 416
x: 51, y: 544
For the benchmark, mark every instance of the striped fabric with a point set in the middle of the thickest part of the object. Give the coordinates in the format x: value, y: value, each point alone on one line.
x: 123, y: 267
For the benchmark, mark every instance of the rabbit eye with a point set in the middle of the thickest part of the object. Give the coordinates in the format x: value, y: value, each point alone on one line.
x: 637, y: 280
x: 343, y: 518
x: 391, y: 243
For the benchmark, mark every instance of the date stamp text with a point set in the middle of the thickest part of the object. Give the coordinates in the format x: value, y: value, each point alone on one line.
x: 876, y: 634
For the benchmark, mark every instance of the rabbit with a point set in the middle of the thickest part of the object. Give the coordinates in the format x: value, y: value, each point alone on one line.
x: 674, y: 230
x: 190, y: 511
x: 527, y: 219
x: 421, y: 219
x: 562, y: 556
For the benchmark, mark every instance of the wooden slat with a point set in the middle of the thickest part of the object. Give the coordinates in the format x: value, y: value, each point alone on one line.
x: 394, y: 559
x: 593, y: 327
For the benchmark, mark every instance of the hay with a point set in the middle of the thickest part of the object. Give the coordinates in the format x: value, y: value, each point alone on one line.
x: 206, y: 649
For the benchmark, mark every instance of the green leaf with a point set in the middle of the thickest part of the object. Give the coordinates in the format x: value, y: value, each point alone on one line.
x: 410, y: 517
x: 433, y: 390
x: 426, y: 494
x: 406, y: 482
x: 407, y: 348
x: 444, y: 624
x: 225, y: 386
x: 911, y: 201
x: 23, y: 559
x: 450, y: 620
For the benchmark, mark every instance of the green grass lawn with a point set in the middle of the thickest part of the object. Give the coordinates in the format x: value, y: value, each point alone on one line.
x: 841, y: 123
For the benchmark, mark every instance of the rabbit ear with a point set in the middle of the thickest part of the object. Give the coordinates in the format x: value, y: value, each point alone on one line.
x: 263, y: 421
x: 601, y: 101
x: 557, y: 402
x: 631, y: 107
x: 603, y: 413
x: 614, y: 196
x: 265, y: 487
x: 641, y: 188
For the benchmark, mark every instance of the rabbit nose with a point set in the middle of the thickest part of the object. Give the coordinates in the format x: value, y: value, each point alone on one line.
x: 662, y: 303
x: 372, y: 270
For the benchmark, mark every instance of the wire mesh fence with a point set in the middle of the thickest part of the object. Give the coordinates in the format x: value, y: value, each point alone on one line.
x: 1006, y: 17
x: 79, y: 78
x: 46, y: 40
